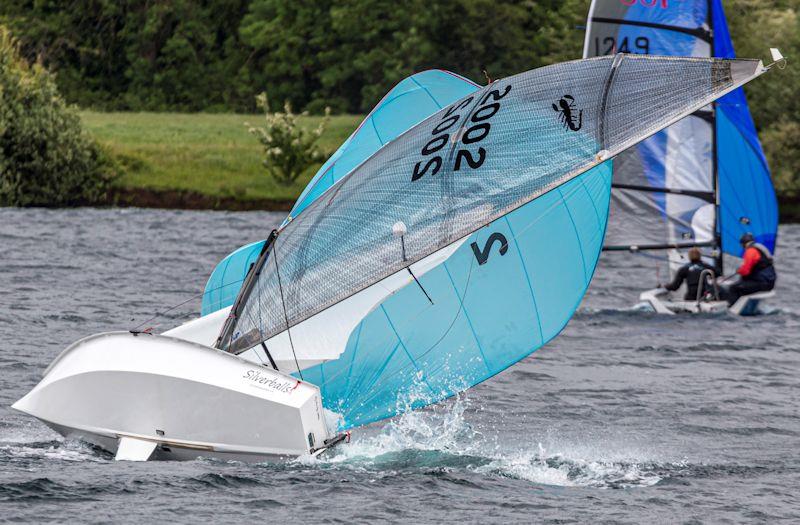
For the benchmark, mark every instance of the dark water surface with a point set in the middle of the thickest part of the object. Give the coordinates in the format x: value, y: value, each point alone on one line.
x: 625, y: 417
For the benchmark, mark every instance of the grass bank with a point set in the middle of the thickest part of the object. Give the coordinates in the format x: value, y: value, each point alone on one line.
x: 210, y: 161
x: 199, y: 160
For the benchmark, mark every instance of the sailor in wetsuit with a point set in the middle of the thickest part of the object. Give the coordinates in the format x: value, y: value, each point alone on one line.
x: 757, y: 272
x: 691, y: 273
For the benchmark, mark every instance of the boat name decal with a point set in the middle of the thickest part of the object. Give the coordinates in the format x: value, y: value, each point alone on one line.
x: 272, y: 383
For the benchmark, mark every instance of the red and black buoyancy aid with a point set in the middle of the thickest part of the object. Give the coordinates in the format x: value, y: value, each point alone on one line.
x: 763, y: 269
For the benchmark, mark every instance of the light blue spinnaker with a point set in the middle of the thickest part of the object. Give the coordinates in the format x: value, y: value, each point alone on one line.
x: 667, y: 188
x: 408, y: 103
x: 225, y: 281
x: 465, y: 244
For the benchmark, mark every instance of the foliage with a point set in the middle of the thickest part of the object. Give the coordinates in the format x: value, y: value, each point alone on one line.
x: 46, y: 158
x: 206, y: 153
x: 190, y: 55
x: 783, y: 156
x: 290, y: 149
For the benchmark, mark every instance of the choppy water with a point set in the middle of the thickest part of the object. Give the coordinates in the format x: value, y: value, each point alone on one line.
x: 625, y: 417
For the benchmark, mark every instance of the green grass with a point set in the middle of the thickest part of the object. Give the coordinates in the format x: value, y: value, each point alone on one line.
x: 212, y: 154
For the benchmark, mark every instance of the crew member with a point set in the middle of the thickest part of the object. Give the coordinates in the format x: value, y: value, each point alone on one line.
x: 690, y: 273
x: 757, y: 272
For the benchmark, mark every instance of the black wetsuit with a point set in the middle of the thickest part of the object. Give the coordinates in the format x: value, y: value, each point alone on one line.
x: 691, y: 274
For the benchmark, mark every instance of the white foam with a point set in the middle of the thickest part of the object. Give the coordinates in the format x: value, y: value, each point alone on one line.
x: 60, y: 450
x: 444, y: 428
x: 30, y: 439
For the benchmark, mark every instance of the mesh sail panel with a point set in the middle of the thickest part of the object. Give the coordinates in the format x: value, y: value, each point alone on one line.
x: 465, y: 166
x: 636, y: 219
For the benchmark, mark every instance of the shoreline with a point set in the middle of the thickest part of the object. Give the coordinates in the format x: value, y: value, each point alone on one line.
x: 189, y: 200
x: 789, y: 207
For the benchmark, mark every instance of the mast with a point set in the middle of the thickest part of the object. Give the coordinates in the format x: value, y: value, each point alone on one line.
x: 244, y: 293
x: 717, y: 228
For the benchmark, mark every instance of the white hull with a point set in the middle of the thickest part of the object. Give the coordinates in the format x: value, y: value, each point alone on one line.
x: 659, y: 301
x: 147, y: 396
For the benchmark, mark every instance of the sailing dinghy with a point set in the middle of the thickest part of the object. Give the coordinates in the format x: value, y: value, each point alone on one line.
x: 704, y: 181
x: 452, y: 252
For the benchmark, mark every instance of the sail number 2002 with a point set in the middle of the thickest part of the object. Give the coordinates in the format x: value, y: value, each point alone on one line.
x: 476, y: 129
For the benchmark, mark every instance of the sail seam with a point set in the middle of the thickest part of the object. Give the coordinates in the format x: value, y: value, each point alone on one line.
x: 575, y: 229
x: 428, y: 92
x: 353, y: 358
x: 405, y: 349
x: 527, y: 278
x: 594, y: 206
x: 466, y: 316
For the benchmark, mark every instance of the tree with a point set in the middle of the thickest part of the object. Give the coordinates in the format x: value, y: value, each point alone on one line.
x: 286, y: 40
x: 289, y: 149
x: 46, y: 159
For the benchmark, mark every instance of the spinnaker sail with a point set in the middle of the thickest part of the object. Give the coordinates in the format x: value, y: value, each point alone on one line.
x: 467, y: 242
x: 704, y: 181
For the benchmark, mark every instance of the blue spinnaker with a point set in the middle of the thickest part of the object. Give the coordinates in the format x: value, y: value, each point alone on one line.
x: 485, y: 317
x: 408, y: 103
x: 665, y: 189
x: 747, y: 197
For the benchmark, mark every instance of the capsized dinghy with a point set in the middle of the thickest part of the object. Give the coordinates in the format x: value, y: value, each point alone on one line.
x: 451, y: 253
x: 704, y: 181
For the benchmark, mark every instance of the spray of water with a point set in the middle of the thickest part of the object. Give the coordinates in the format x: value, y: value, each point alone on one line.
x: 442, y: 436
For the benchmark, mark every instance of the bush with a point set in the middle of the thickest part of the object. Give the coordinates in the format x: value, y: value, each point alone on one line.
x: 289, y: 148
x: 46, y: 159
x: 782, y: 145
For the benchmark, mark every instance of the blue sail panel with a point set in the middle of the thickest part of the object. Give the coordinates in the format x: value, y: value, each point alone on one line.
x: 748, y: 202
x: 506, y: 291
x: 408, y: 103
x: 677, y: 158
x: 225, y: 281
x: 747, y: 197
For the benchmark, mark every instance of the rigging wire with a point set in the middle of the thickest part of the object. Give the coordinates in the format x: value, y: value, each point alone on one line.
x: 191, y: 298
x: 283, y: 304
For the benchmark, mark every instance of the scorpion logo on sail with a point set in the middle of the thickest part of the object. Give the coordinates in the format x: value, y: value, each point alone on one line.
x: 566, y: 113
